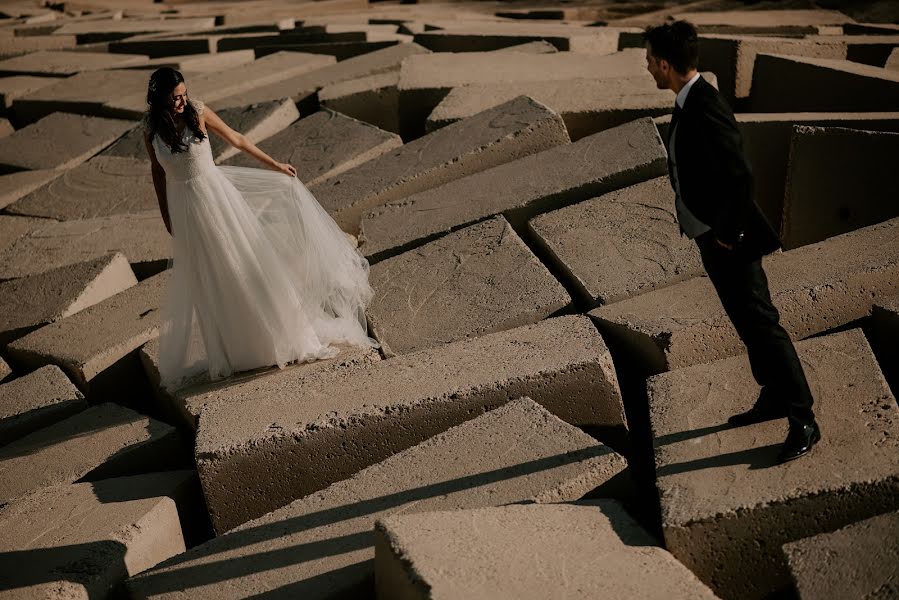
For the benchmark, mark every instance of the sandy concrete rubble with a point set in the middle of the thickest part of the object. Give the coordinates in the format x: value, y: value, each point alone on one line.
x: 36, y: 400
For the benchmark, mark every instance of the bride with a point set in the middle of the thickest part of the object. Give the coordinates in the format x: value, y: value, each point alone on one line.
x: 261, y: 274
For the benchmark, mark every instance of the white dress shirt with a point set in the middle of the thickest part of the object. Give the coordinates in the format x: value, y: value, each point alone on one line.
x: 692, y: 226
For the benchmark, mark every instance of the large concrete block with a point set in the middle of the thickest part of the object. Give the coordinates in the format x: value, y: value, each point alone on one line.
x: 59, y: 141
x: 816, y: 288
x: 15, y: 185
x: 520, y: 189
x: 17, y: 46
x: 426, y: 80
x: 618, y: 245
x: 502, y: 134
x: 5, y: 371
x: 339, y: 50
x: 194, y: 64
x: 259, y: 40
x: 858, y: 561
x: 475, y: 281
x: 37, y: 400
x: 484, y: 37
x: 883, y: 331
x: 373, y: 99
x: 11, y: 230
x: 515, y: 453
x: 260, y: 450
x: 27, y: 303
x: 142, y: 238
x: 536, y: 47
x: 727, y: 506
x: 797, y: 84
x: 6, y: 128
x: 526, y: 551
x: 154, y: 46
x: 20, y: 85
x: 84, y: 540
x: 115, y: 29
x: 97, y: 342
x: 103, y: 441
x: 837, y: 181
x: 324, y: 145
x: 61, y: 63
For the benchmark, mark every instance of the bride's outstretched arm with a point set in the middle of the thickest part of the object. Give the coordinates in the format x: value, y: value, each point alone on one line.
x: 215, y: 124
x: 158, y: 182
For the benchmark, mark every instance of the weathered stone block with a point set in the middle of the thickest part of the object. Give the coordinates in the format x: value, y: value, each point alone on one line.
x: 115, y: 29
x: 526, y: 551
x: 257, y: 122
x: 727, y: 507
x: 373, y: 99
x: 20, y: 85
x: 276, y: 443
x: 485, y: 37
x: 37, y: 400
x: 339, y: 50
x: 15, y: 185
x: 515, y: 453
x: 61, y: 63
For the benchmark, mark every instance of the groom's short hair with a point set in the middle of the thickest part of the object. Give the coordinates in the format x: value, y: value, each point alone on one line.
x: 676, y: 43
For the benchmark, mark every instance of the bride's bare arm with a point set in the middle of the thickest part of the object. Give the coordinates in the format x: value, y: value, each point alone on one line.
x: 158, y: 182
x: 215, y: 124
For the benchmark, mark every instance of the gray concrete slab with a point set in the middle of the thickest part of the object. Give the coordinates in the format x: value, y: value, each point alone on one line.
x: 860, y: 560
x: 142, y: 238
x: 516, y: 453
x: 526, y: 551
x: 727, y: 506
x: 35, y: 401
x: 64, y: 62
x: 837, y: 181
x: 15, y: 185
x: 102, y: 441
x: 59, y: 141
x: 475, y: 281
x: 154, y: 46
x: 324, y: 145
x: 83, y: 540
x: 548, y: 180
x: 373, y: 99
x: 882, y: 332
x: 502, y: 134
x: 618, y: 245
x: 276, y: 438
x: 28, y: 303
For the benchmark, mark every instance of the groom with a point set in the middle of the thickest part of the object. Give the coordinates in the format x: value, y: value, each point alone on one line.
x: 714, y: 202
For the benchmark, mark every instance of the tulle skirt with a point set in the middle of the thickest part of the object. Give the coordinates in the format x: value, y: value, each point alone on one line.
x: 261, y: 275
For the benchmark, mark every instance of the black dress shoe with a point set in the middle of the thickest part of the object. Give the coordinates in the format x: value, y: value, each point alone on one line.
x: 799, y: 441
x: 757, y: 414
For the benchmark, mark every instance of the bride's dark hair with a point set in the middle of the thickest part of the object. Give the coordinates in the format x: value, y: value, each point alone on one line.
x: 160, y: 119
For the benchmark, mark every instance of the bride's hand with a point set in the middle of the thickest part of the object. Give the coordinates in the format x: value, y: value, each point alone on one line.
x: 286, y: 169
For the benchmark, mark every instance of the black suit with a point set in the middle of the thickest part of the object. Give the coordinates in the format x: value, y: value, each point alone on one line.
x: 716, y: 185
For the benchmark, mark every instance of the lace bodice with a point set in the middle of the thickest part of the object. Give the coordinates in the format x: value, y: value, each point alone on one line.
x: 193, y: 162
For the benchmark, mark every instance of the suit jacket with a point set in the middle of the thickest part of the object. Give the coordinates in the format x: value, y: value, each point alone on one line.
x: 715, y: 179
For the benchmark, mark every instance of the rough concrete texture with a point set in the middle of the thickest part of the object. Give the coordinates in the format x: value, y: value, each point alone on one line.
x: 477, y: 280
x: 103, y: 441
x: 15, y: 185
x: 536, y: 47
x: 373, y: 99
x: 142, y: 238
x: 816, y: 288
x: 27, y: 303
x: 95, y: 339
x: 256, y: 122
x: 59, y: 141
x: 515, y: 453
x: 526, y: 551
x: 426, y: 80
x: 37, y: 400
x: 858, y: 561
x: 193, y: 64
x: 324, y: 145
x: 339, y: 50
x: 882, y: 332
x: 727, y: 506
x: 101, y: 187
x: 618, y: 245
x: 65, y: 62
x: 5, y: 371
x: 549, y: 180
x: 106, y: 30
x: 502, y: 134
x: 484, y: 37
x: 17, y: 46
x: 83, y: 540
x: 794, y: 84
x: 20, y: 85
x: 837, y: 181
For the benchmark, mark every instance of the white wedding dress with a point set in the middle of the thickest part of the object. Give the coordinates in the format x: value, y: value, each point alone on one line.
x: 261, y: 274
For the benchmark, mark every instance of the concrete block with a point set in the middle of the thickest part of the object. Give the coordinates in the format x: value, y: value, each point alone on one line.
x: 507, y: 132
x: 795, y: 84
x: 18, y: 46
x: 265, y: 446
x: 257, y: 40
x: 84, y: 540
x: 882, y: 332
x: 193, y: 64
x: 160, y: 47
x: 858, y: 561
x: 484, y: 37
x: 61, y: 63
x: 431, y: 297
x: 426, y: 80
x: 5, y: 371
x: 12, y: 229
x: 816, y: 288
x: 20, y: 85
x: 103, y: 441
x: 373, y: 99
x: 28, y: 303
x: 5, y: 128
x: 893, y: 60
x: 536, y: 47
x: 115, y: 29
x: 727, y: 506
x: 515, y: 453
x: 15, y: 185
x: 526, y: 551
x: 548, y: 180
x: 96, y: 342
x: 324, y: 145
x: 35, y: 401
x: 142, y: 238
x: 618, y: 245
x: 837, y: 181
x: 339, y: 50
x: 767, y: 18
x: 59, y: 141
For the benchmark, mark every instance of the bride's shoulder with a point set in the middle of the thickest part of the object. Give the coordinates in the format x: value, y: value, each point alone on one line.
x: 198, y: 105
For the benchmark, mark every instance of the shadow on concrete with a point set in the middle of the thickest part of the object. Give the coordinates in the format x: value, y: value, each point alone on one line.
x: 97, y: 568
x: 762, y: 457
